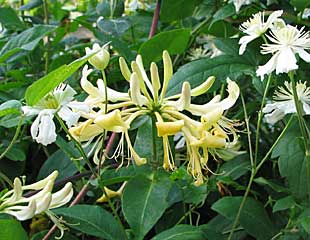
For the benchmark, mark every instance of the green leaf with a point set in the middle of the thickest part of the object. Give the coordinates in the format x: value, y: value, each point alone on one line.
x: 223, y: 13
x: 283, y: 204
x: 92, y: 220
x: 26, y: 40
x: 305, y: 223
x: 235, y: 168
x: 253, y: 218
x: 292, y: 161
x: 181, y: 232
x: 9, y: 19
x: 12, y: 230
x: 16, y: 153
x: 112, y: 176
x: 174, y: 10
x: 198, y: 71
x: 144, y: 144
x: 10, y: 107
x: 174, y: 41
x: 44, y: 85
x: 115, y: 27
x: 144, y: 202
x: 31, y: 5
x: 119, y: 45
x: 58, y: 161
x: 300, y: 4
x: 276, y: 187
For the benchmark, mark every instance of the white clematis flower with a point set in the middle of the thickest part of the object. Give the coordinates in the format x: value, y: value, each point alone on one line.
x: 43, y: 129
x: 239, y: 3
x: 284, y: 102
x: 286, y: 42
x: 255, y: 27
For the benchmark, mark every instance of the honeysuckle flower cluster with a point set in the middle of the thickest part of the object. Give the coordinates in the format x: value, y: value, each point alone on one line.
x: 284, y: 102
x: 147, y: 96
x: 59, y: 101
x: 23, y: 208
x: 285, y: 42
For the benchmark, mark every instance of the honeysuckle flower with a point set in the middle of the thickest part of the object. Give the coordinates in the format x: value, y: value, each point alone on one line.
x: 133, y: 5
x: 239, y: 3
x: 23, y: 208
x: 96, y: 95
x: 147, y: 96
x: 59, y: 101
x: 102, y: 57
x: 255, y: 27
x: 284, y: 102
x: 286, y: 42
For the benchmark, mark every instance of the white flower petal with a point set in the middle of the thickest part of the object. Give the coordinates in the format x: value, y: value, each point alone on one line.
x: 286, y: 61
x: 274, y: 116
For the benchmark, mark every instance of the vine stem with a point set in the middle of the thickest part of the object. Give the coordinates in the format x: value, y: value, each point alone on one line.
x: 20, y: 123
x: 301, y: 126
x: 155, y: 19
x: 112, y: 138
x: 154, y: 139
x: 254, y: 168
x: 260, y: 118
x: 253, y: 174
x: 77, y: 144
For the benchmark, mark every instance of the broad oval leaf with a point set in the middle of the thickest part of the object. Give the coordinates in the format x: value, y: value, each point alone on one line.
x: 292, y: 161
x: 198, y: 71
x: 253, y: 218
x: 93, y: 220
x: 181, y: 232
x: 144, y: 201
x: 12, y: 229
x: 174, y: 41
x: 181, y: 9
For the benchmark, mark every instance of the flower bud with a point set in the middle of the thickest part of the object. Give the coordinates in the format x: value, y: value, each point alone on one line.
x: 101, y: 59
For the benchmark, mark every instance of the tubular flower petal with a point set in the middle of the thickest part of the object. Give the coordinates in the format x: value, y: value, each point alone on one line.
x: 14, y: 203
x: 85, y: 131
x: 111, y: 121
x: 124, y: 68
x: 147, y: 96
x: 169, y: 128
x: 168, y: 71
x: 135, y: 93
